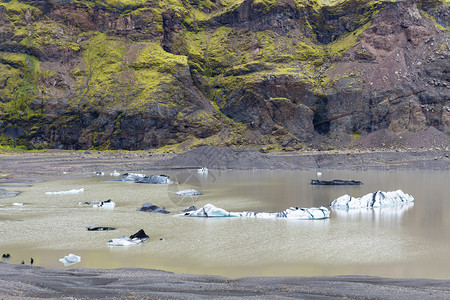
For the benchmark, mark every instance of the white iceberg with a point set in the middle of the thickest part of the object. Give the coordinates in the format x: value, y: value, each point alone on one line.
x: 378, y: 199
x: 134, y: 239
x: 190, y: 192
x: 293, y: 213
x: 106, y: 204
x: 115, y: 173
x: 70, y: 192
x: 70, y: 259
x: 17, y: 204
x: 203, y: 170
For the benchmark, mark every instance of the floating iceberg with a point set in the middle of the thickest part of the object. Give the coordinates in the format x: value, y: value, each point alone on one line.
x: 378, y: 199
x: 70, y: 259
x: 190, y: 192
x: 156, y: 179
x: 151, y: 208
x: 106, y: 204
x: 141, y: 178
x: 294, y: 213
x: 73, y: 191
x: 89, y: 203
x: 203, y: 170
x: 133, y: 239
x: 99, y: 228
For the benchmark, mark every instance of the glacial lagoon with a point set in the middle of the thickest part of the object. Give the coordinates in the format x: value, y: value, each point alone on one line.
x: 408, y: 241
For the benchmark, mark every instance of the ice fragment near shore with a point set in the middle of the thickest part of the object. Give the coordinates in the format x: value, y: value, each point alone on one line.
x: 70, y: 259
x: 378, y: 199
x: 70, y: 192
x: 294, y: 213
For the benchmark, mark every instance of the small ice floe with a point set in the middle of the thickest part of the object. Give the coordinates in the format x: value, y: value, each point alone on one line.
x: 378, y: 199
x: 17, y: 204
x: 190, y: 192
x: 203, y: 170
x: 106, y: 204
x: 134, y: 239
x: 151, y: 208
x: 99, y: 228
x: 70, y: 192
x: 70, y: 259
x: 115, y: 173
x: 294, y: 213
x: 142, y: 178
x: 89, y: 203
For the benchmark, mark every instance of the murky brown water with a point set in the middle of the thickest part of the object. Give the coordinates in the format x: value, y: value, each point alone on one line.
x: 412, y: 241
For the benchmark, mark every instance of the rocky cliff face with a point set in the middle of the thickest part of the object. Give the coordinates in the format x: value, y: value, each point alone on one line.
x: 145, y: 74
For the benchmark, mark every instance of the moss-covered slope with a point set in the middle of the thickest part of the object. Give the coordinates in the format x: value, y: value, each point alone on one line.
x: 138, y: 74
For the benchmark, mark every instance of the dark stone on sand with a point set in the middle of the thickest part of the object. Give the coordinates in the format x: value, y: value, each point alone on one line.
x: 151, y: 208
x: 335, y: 182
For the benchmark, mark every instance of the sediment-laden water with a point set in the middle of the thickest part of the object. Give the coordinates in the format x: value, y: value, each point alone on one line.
x: 408, y: 241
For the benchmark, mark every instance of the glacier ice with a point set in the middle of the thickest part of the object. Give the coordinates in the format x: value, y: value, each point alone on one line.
x: 142, y: 178
x: 133, y: 239
x: 295, y: 213
x: 190, y: 192
x: 70, y: 259
x: 70, y: 192
x: 378, y: 199
x: 106, y: 204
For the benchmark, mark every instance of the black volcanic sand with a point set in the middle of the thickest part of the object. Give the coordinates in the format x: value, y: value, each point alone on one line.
x: 24, y: 281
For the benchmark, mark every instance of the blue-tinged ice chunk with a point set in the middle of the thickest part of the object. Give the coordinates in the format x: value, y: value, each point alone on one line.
x: 70, y: 259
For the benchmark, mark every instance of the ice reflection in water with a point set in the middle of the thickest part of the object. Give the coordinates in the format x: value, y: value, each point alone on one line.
x: 409, y: 241
x: 387, y: 215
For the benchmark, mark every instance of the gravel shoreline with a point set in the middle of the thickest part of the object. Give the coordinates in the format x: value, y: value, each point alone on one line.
x: 31, y: 282
x: 28, y: 282
x: 39, y: 166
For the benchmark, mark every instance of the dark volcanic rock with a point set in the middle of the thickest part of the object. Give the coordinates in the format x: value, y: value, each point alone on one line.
x: 139, y: 76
